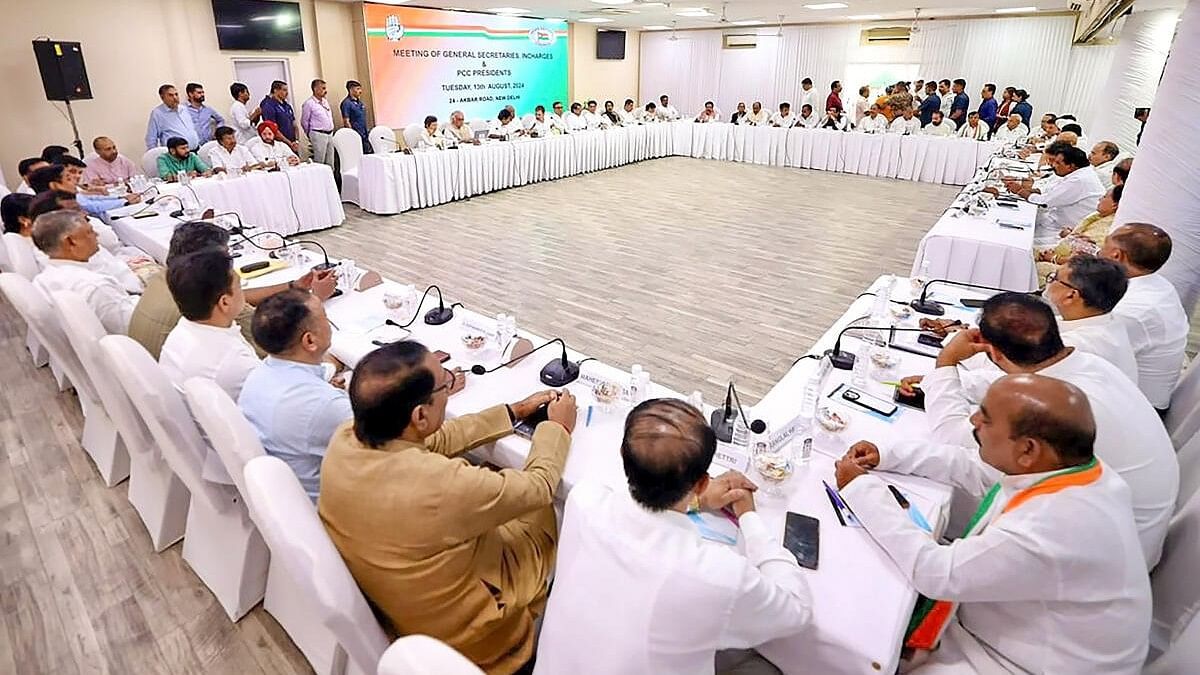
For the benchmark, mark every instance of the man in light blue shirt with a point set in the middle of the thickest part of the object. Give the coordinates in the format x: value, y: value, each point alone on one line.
x: 286, y: 398
x: 204, y: 119
x: 170, y: 119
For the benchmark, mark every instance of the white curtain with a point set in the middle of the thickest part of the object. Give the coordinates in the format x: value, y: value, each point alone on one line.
x: 687, y: 69
x: 1140, y: 54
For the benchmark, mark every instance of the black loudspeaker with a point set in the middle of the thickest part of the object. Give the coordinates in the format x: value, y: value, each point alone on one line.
x: 64, y: 77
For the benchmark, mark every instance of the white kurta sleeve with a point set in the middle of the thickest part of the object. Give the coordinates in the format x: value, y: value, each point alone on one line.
x: 113, y: 306
x: 947, y: 407
x: 956, y: 465
x: 773, y: 597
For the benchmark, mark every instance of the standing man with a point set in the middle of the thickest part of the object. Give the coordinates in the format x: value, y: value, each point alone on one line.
x: 947, y: 98
x: 930, y: 104
x: 275, y: 108
x: 170, y: 120
x: 316, y: 119
x: 354, y: 112
x: 807, y: 94
x: 960, y: 103
x: 204, y: 118
x: 834, y: 100
x: 242, y: 119
x: 988, y: 109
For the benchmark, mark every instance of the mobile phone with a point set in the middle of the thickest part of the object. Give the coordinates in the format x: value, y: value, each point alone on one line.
x: 149, y: 214
x: 868, y: 402
x: 442, y: 356
x: 526, y: 425
x: 917, y: 400
x: 966, y: 302
x: 930, y: 340
x: 802, y: 536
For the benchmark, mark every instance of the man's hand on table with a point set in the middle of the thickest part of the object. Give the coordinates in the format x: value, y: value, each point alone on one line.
x: 732, y: 489
x: 861, y: 456
x: 908, y: 384
x: 940, y: 327
x: 460, y: 381
x: 964, y: 345
x: 563, y: 410
x: 525, y: 407
x: 322, y: 283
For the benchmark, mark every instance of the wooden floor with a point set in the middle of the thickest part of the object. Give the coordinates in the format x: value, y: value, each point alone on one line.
x: 698, y: 270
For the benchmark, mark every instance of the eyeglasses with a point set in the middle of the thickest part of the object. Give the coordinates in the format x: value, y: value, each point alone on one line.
x: 450, y: 377
x: 1053, y: 276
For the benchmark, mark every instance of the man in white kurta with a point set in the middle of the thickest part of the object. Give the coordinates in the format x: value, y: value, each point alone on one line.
x: 757, y: 117
x: 1048, y: 577
x: 1012, y: 132
x: 905, y: 123
x: 70, y: 242
x: 784, y: 118
x: 628, y: 113
x: 635, y: 575
x: 808, y: 118
x: 556, y: 119
x: 575, y: 120
x: 1065, y: 202
x: 1103, y: 158
x: 1020, y: 335
x: 939, y: 126
x: 1083, y: 292
x: 228, y: 153
x: 873, y: 122
x: 666, y: 112
x: 1151, y: 311
x: 974, y: 129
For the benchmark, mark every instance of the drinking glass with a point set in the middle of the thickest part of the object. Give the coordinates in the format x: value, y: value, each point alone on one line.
x: 775, y: 465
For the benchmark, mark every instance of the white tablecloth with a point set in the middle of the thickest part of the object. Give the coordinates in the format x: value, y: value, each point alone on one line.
x: 978, y: 250
x: 299, y: 199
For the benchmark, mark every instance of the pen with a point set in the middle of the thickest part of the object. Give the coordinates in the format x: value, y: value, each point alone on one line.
x: 893, y: 383
x: 588, y: 422
x: 899, y: 497
x: 836, y: 511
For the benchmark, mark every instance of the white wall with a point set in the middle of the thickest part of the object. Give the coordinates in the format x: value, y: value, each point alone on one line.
x: 592, y: 78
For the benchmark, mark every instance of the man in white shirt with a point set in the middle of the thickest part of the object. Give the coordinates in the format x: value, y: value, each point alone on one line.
x: 784, y: 117
x: 939, y: 127
x: 1083, y: 292
x: 68, y: 239
x: 649, y: 113
x: 539, y: 126
x: 556, y: 120
x: 592, y: 118
x: 739, y: 115
x: 1150, y: 310
x: 808, y: 95
x: 628, y: 113
x: 111, y: 259
x: 666, y: 112
x: 947, y: 100
x: 506, y: 125
x: 458, y: 131
x: 1103, y: 158
x: 1011, y: 132
x: 973, y: 129
x: 207, y: 342
x: 229, y: 154
x: 710, y: 113
x: 834, y: 119
x: 1065, y: 202
x: 430, y: 138
x: 243, y: 120
x: 1019, y: 334
x: 632, y: 564
x: 575, y: 120
x: 905, y: 124
x: 757, y: 117
x: 808, y: 118
x: 873, y: 122
x: 1048, y: 576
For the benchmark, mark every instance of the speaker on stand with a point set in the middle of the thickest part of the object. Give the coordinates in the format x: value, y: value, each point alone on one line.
x: 64, y: 76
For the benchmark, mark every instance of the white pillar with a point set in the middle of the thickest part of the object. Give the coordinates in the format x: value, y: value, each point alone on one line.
x: 1137, y: 64
x: 1164, y: 184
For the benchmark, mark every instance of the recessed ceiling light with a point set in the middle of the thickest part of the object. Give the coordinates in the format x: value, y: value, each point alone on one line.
x: 612, y: 2
x: 508, y: 10
x: 1015, y: 10
x: 695, y: 12
x: 865, y: 17
x: 653, y: 4
x: 827, y: 5
x: 598, y: 19
x: 656, y: 28
x: 747, y: 22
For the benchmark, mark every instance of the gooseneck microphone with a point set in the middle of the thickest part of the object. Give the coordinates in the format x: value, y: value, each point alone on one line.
x: 241, y: 230
x: 724, y: 420
x: 478, y: 368
x: 558, y: 372
x: 845, y: 360
x: 925, y: 306
x: 150, y: 202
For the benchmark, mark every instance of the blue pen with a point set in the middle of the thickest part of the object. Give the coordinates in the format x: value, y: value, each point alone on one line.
x: 588, y: 422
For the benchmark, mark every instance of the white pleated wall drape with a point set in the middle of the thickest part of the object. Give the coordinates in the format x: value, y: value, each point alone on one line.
x: 1138, y: 62
x: 1082, y: 89
x: 687, y: 69
x: 1164, y: 186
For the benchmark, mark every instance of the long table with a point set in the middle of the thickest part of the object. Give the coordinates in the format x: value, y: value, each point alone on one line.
x: 396, y: 182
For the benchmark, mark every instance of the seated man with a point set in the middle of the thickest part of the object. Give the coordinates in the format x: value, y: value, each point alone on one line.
x: 739, y: 115
x: 641, y: 548
x: 1103, y: 158
x: 287, y: 398
x: 472, y: 571
x: 557, y: 120
x: 1048, y: 576
x: 575, y: 120
x: 109, y: 167
x: 1150, y: 311
x: 25, y: 169
x: 126, y: 264
x: 1083, y: 292
x: 61, y: 178
x: 666, y: 112
x: 69, y: 240
x: 229, y: 154
x: 710, y: 113
x: 757, y: 116
x: 835, y: 120
x: 1067, y: 201
x: 207, y: 342
x: 430, y: 138
x: 592, y: 118
x: 974, y: 129
x: 611, y: 115
x: 650, y: 113
x: 628, y: 113
x: 808, y: 118
x: 873, y: 122
x: 14, y: 214
x: 1120, y: 172
x: 1012, y: 132
x: 273, y: 149
x: 784, y: 118
x: 157, y: 314
x: 507, y: 126
x: 1019, y: 334
x: 458, y: 131
x: 906, y: 123
x: 1084, y: 238
x: 179, y: 157
x: 539, y: 127
x: 939, y: 126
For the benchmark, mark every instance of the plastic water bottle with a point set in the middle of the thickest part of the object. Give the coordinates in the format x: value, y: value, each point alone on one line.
x: 696, y: 400
x: 883, y: 295
x: 919, y: 281
x: 635, y: 385
x: 644, y: 384
x: 862, y: 358
x: 510, y: 326
x: 501, y: 333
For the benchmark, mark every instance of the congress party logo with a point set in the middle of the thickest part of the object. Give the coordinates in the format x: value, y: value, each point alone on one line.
x: 542, y: 37
x: 393, y: 29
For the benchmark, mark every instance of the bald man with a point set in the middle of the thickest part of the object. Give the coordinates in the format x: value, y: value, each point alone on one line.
x: 1013, y: 132
x: 108, y: 167
x: 642, y: 547
x: 1150, y: 310
x: 1048, y: 577
x: 1103, y: 158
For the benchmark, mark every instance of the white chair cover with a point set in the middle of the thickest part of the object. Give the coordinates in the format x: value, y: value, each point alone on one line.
x: 1175, y: 587
x: 235, y: 441
x: 206, y: 150
x: 288, y: 521
x: 150, y: 160
x: 157, y: 495
x: 1188, y: 456
x: 412, y: 136
x: 1183, y: 656
x: 5, y: 266
x: 382, y: 139
x: 1183, y: 420
x: 348, y: 145
x: 528, y: 120
x: 479, y: 124
x: 423, y: 655
x: 221, y: 543
x: 20, y: 255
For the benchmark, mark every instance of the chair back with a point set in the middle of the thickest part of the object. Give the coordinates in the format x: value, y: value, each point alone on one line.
x: 1183, y: 419
x: 1182, y: 656
x: 167, y: 417
x: 383, y: 139
x: 528, y: 120
x: 423, y: 655
x: 150, y: 160
x: 288, y: 522
x: 5, y: 266
x: 35, y: 308
x: 206, y: 150
x: 412, y: 135
x: 1175, y: 591
x: 479, y: 124
x: 21, y: 255
x: 90, y: 157
x: 348, y: 145
x: 230, y: 434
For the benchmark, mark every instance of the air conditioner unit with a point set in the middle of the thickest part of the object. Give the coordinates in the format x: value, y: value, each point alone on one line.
x: 740, y: 41
x: 888, y: 35
x: 1094, y: 15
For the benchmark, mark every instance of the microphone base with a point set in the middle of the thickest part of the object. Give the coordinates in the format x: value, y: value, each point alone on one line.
x: 555, y: 374
x: 438, y: 316
x: 320, y: 267
x: 927, y: 307
x: 842, y: 360
x: 722, y: 426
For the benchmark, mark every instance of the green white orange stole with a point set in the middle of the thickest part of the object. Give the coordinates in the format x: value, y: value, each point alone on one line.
x: 931, y: 617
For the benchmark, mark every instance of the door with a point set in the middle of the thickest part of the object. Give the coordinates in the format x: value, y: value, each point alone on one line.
x: 258, y: 74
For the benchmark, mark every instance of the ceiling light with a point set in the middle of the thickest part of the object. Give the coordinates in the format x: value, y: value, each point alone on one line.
x: 653, y: 28
x: 549, y: 18
x: 1015, y: 10
x: 612, y: 2
x: 508, y: 10
x: 598, y: 19
x: 865, y: 17
x: 827, y: 5
x: 696, y: 12
x: 653, y: 4
x: 748, y: 22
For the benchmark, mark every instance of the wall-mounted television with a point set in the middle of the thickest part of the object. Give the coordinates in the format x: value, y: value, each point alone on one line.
x: 610, y: 44
x: 258, y: 25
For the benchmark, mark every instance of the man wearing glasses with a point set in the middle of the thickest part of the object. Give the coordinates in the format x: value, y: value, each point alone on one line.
x: 442, y: 547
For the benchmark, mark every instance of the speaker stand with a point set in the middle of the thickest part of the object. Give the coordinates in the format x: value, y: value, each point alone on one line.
x: 74, y: 129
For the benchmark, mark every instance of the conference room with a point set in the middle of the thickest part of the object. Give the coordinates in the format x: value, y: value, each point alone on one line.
x: 599, y: 336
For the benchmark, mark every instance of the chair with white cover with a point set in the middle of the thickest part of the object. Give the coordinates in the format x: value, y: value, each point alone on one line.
x: 150, y: 160
x: 21, y: 255
x: 220, y: 543
x: 1183, y: 656
x: 412, y: 135
x: 206, y: 150
x: 1173, y: 581
x: 5, y: 266
x: 423, y: 655
x: 155, y: 492
x: 383, y: 139
x: 528, y: 120
x: 479, y: 124
x: 99, y: 438
x: 348, y: 145
x: 341, y: 617
x: 1183, y: 419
